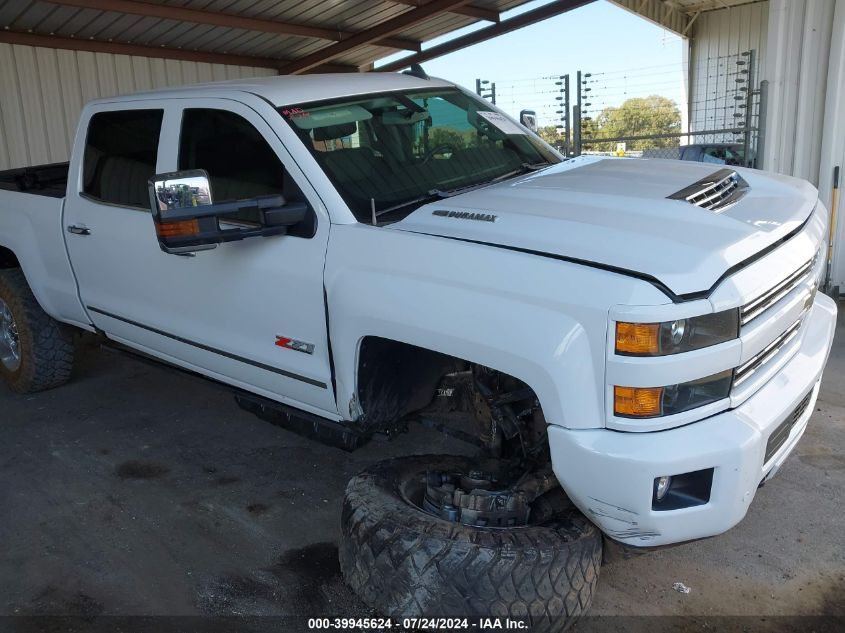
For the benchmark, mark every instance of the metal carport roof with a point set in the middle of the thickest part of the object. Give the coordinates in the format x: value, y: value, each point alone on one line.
x: 676, y: 15
x: 289, y: 36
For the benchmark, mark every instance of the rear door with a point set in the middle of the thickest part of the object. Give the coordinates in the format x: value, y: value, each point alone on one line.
x: 249, y: 313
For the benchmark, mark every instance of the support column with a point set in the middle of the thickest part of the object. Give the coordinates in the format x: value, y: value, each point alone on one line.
x: 833, y: 138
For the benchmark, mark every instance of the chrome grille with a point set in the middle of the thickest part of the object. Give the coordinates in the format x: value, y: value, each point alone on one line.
x: 756, y: 307
x: 745, y: 371
x: 713, y: 195
x: 716, y: 192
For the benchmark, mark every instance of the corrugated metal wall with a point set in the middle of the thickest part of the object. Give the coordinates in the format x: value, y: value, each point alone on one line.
x: 798, y: 65
x: 42, y: 92
x: 718, y: 37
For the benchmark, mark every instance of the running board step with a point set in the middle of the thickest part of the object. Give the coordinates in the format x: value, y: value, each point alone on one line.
x: 302, y: 423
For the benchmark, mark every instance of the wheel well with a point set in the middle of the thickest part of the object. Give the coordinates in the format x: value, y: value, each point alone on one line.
x: 396, y: 378
x: 399, y: 382
x: 8, y: 259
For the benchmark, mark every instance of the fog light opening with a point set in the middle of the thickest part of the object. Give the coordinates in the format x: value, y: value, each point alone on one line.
x: 661, y: 487
x: 682, y: 490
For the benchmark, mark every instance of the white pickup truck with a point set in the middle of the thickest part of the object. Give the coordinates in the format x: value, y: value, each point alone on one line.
x: 635, y: 345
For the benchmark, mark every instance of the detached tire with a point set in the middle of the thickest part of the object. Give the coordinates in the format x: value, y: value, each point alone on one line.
x: 408, y: 563
x: 36, y: 352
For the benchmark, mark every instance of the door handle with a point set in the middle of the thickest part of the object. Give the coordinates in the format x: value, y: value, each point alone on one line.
x: 78, y: 230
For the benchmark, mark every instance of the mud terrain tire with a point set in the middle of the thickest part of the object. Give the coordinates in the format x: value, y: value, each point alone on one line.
x: 405, y: 562
x: 45, y: 347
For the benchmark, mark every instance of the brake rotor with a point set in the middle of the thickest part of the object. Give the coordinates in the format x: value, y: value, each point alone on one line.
x: 476, y: 498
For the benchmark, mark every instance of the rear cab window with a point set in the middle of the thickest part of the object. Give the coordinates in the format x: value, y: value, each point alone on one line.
x: 120, y: 156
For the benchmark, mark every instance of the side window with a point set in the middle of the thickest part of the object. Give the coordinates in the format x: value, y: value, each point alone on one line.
x: 120, y: 156
x: 733, y: 157
x: 714, y: 155
x: 239, y: 162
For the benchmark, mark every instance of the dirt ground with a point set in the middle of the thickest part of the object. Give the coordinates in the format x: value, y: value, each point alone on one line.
x: 138, y: 490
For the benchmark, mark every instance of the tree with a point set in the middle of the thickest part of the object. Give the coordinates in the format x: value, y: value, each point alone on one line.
x: 549, y: 133
x: 640, y: 116
x: 448, y: 136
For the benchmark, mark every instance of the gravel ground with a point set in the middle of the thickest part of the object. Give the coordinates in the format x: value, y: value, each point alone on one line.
x: 137, y: 491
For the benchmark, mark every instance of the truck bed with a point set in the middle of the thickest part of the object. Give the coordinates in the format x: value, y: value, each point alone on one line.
x: 31, y: 210
x: 40, y: 180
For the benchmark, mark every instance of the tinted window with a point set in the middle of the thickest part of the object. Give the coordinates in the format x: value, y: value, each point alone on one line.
x: 239, y: 162
x: 120, y: 156
x: 397, y: 150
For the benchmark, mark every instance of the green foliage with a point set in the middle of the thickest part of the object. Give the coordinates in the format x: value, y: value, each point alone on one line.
x: 449, y: 136
x: 640, y: 116
x: 549, y: 133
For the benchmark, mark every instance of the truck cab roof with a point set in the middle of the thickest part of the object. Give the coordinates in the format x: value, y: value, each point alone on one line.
x: 292, y: 89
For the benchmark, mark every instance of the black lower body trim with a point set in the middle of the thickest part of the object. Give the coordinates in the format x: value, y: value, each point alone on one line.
x: 313, y: 427
x: 240, y: 359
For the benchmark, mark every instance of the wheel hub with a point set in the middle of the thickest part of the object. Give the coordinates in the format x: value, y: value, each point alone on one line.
x: 10, y: 355
x: 477, y: 499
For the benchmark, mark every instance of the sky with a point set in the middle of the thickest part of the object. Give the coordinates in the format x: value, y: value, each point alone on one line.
x: 626, y: 55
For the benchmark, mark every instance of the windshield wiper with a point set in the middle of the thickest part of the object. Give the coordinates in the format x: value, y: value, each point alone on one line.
x: 536, y: 166
x: 440, y: 194
x: 430, y: 196
x: 524, y: 169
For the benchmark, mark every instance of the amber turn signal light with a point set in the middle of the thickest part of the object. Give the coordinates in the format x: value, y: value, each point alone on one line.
x: 182, y: 228
x: 638, y: 338
x: 637, y: 402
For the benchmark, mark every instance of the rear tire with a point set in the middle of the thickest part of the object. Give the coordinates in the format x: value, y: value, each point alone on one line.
x: 408, y: 563
x: 36, y: 352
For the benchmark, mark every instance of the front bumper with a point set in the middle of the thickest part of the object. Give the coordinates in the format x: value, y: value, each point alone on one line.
x: 610, y: 475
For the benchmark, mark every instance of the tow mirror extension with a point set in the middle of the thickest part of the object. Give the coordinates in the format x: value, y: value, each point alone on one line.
x: 188, y: 220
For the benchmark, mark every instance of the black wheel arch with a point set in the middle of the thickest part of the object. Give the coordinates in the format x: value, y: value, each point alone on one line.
x: 8, y: 259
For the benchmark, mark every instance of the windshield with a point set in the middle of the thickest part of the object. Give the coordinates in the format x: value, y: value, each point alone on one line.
x: 389, y: 153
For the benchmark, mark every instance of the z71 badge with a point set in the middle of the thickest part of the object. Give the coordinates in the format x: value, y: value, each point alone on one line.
x: 297, y: 346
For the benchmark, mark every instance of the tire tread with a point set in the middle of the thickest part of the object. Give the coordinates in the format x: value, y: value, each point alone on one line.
x: 404, y: 563
x: 46, y: 345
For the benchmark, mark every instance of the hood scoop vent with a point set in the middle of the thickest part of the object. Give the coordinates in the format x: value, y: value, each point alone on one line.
x: 717, y: 192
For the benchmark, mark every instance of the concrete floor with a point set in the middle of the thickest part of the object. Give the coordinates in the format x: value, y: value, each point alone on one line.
x: 137, y: 490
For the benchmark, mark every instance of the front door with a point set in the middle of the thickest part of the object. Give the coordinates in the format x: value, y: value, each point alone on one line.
x: 249, y: 313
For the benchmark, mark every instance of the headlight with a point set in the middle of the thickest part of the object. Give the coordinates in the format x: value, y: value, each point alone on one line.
x: 654, y: 402
x: 673, y: 337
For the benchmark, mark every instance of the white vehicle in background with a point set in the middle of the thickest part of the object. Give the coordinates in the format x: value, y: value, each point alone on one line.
x: 634, y: 346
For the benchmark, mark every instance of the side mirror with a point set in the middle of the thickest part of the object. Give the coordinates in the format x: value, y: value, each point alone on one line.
x: 188, y: 220
x: 529, y: 119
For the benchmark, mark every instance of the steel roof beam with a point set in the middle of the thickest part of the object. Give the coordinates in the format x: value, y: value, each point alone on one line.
x: 372, y: 35
x: 472, y: 11
x: 506, y: 26
x: 160, y: 52
x: 228, y: 20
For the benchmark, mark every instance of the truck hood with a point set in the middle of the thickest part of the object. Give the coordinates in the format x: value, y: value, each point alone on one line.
x: 616, y: 213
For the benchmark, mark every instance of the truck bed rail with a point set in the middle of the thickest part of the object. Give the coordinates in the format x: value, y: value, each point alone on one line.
x: 40, y: 180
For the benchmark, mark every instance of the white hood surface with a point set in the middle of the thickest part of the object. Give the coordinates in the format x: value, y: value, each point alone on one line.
x: 615, y: 213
